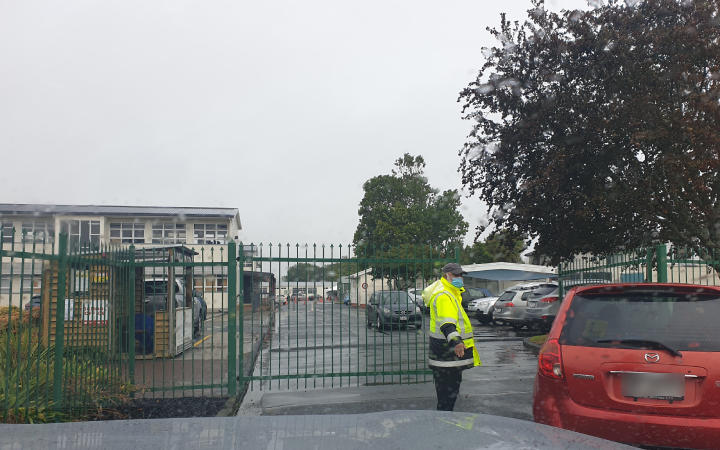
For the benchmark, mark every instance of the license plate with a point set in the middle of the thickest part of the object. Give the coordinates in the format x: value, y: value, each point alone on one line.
x: 403, y: 318
x: 662, y: 386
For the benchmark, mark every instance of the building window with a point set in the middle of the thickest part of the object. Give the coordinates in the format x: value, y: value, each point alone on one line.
x: 40, y: 232
x: 27, y: 284
x: 211, y: 283
x: 82, y: 234
x: 6, y: 228
x: 210, y: 233
x: 168, y: 233
x: 127, y: 233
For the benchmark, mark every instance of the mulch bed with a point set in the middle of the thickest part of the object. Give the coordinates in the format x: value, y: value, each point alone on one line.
x: 166, y: 408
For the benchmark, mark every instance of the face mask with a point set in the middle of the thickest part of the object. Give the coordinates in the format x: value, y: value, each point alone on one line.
x: 457, y: 282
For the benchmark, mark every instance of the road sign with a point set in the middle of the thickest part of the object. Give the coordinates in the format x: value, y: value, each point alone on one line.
x: 364, y: 285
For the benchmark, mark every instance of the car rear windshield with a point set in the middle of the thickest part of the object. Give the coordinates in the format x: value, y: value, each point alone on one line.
x: 507, y: 295
x: 543, y: 290
x: 681, y: 320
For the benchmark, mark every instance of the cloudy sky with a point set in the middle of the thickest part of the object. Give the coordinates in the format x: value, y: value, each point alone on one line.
x: 281, y: 108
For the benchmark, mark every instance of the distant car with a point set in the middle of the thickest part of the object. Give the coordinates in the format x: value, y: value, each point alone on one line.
x: 416, y: 295
x: 541, y: 311
x: 392, y: 308
x: 35, y: 302
x: 482, y: 308
x: 331, y: 296
x: 203, y: 306
x: 511, y: 306
x: 472, y: 293
x: 635, y: 363
x: 156, y: 299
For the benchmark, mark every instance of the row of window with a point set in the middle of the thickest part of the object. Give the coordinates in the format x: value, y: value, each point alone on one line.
x: 83, y: 233
x: 168, y: 233
x: 28, y: 284
x: 30, y: 232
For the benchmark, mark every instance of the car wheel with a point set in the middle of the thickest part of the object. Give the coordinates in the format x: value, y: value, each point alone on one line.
x: 378, y: 323
x: 369, y: 322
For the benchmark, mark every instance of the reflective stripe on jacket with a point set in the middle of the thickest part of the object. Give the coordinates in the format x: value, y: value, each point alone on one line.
x: 449, y: 325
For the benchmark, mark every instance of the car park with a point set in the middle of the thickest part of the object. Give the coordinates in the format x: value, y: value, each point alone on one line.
x: 634, y: 363
x: 392, y: 309
x: 511, y: 306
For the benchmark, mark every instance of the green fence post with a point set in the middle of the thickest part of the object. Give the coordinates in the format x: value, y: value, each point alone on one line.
x: 457, y: 255
x: 649, y: 265
x: 240, y: 294
x: 561, y: 288
x: 131, y: 315
x: 60, y: 321
x: 662, y: 263
x: 232, y: 317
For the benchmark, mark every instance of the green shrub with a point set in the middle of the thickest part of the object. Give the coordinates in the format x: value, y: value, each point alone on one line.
x: 90, y: 387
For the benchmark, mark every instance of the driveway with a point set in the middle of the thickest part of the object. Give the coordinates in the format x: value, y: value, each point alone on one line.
x: 333, y: 338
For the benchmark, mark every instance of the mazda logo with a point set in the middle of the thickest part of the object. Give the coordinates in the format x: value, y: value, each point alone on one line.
x: 652, y: 357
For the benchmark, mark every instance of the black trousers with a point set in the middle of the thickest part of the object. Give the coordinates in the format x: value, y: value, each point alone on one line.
x: 447, y: 386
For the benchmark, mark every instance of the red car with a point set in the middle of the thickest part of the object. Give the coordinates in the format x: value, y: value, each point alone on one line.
x: 634, y: 363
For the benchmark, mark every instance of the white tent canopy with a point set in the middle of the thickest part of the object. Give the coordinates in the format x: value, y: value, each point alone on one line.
x: 503, y: 271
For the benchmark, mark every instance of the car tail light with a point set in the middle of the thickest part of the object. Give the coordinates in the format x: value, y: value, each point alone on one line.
x: 509, y: 305
x: 550, y: 360
x: 549, y: 299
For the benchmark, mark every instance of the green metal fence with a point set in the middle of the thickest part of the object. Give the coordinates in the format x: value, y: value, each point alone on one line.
x: 63, y: 328
x: 317, y: 325
x: 85, y: 328
x: 657, y: 264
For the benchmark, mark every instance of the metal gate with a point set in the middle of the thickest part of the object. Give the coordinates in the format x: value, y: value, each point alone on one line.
x: 332, y: 316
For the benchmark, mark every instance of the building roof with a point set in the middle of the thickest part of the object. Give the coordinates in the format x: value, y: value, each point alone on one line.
x: 502, y: 271
x: 17, y: 209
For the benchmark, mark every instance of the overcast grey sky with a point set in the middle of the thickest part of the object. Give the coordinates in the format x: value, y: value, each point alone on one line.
x: 279, y: 108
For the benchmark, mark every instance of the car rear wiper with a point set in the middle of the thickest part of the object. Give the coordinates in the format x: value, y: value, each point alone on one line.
x: 643, y: 343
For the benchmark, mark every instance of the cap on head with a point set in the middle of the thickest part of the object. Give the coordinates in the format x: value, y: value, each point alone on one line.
x: 454, y: 269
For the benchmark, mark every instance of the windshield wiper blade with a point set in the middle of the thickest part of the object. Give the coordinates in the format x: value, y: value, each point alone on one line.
x: 644, y: 343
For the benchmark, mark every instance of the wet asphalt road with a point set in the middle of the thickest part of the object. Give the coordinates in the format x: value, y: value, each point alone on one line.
x: 334, y: 344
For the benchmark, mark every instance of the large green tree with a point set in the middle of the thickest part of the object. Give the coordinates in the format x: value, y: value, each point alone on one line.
x: 403, y: 217
x: 599, y: 130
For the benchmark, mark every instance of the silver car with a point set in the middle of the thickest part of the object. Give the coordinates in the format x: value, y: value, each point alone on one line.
x: 541, y: 311
x: 482, y: 308
x: 511, y: 306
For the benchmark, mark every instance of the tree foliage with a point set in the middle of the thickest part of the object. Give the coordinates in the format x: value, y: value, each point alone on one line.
x: 599, y: 130
x: 498, y: 247
x: 307, y: 272
x: 402, y: 216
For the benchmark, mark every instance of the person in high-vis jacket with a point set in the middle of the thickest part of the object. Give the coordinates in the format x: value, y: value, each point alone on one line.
x: 452, y: 348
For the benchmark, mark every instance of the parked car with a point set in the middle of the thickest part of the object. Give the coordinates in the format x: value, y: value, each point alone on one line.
x: 416, y: 295
x: 331, y: 296
x: 472, y: 293
x: 35, y: 302
x: 392, y: 308
x: 482, y: 308
x: 541, y: 310
x: 156, y: 295
x: 635, y: 363
x: 203, y: 306
x: 511, y: 306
